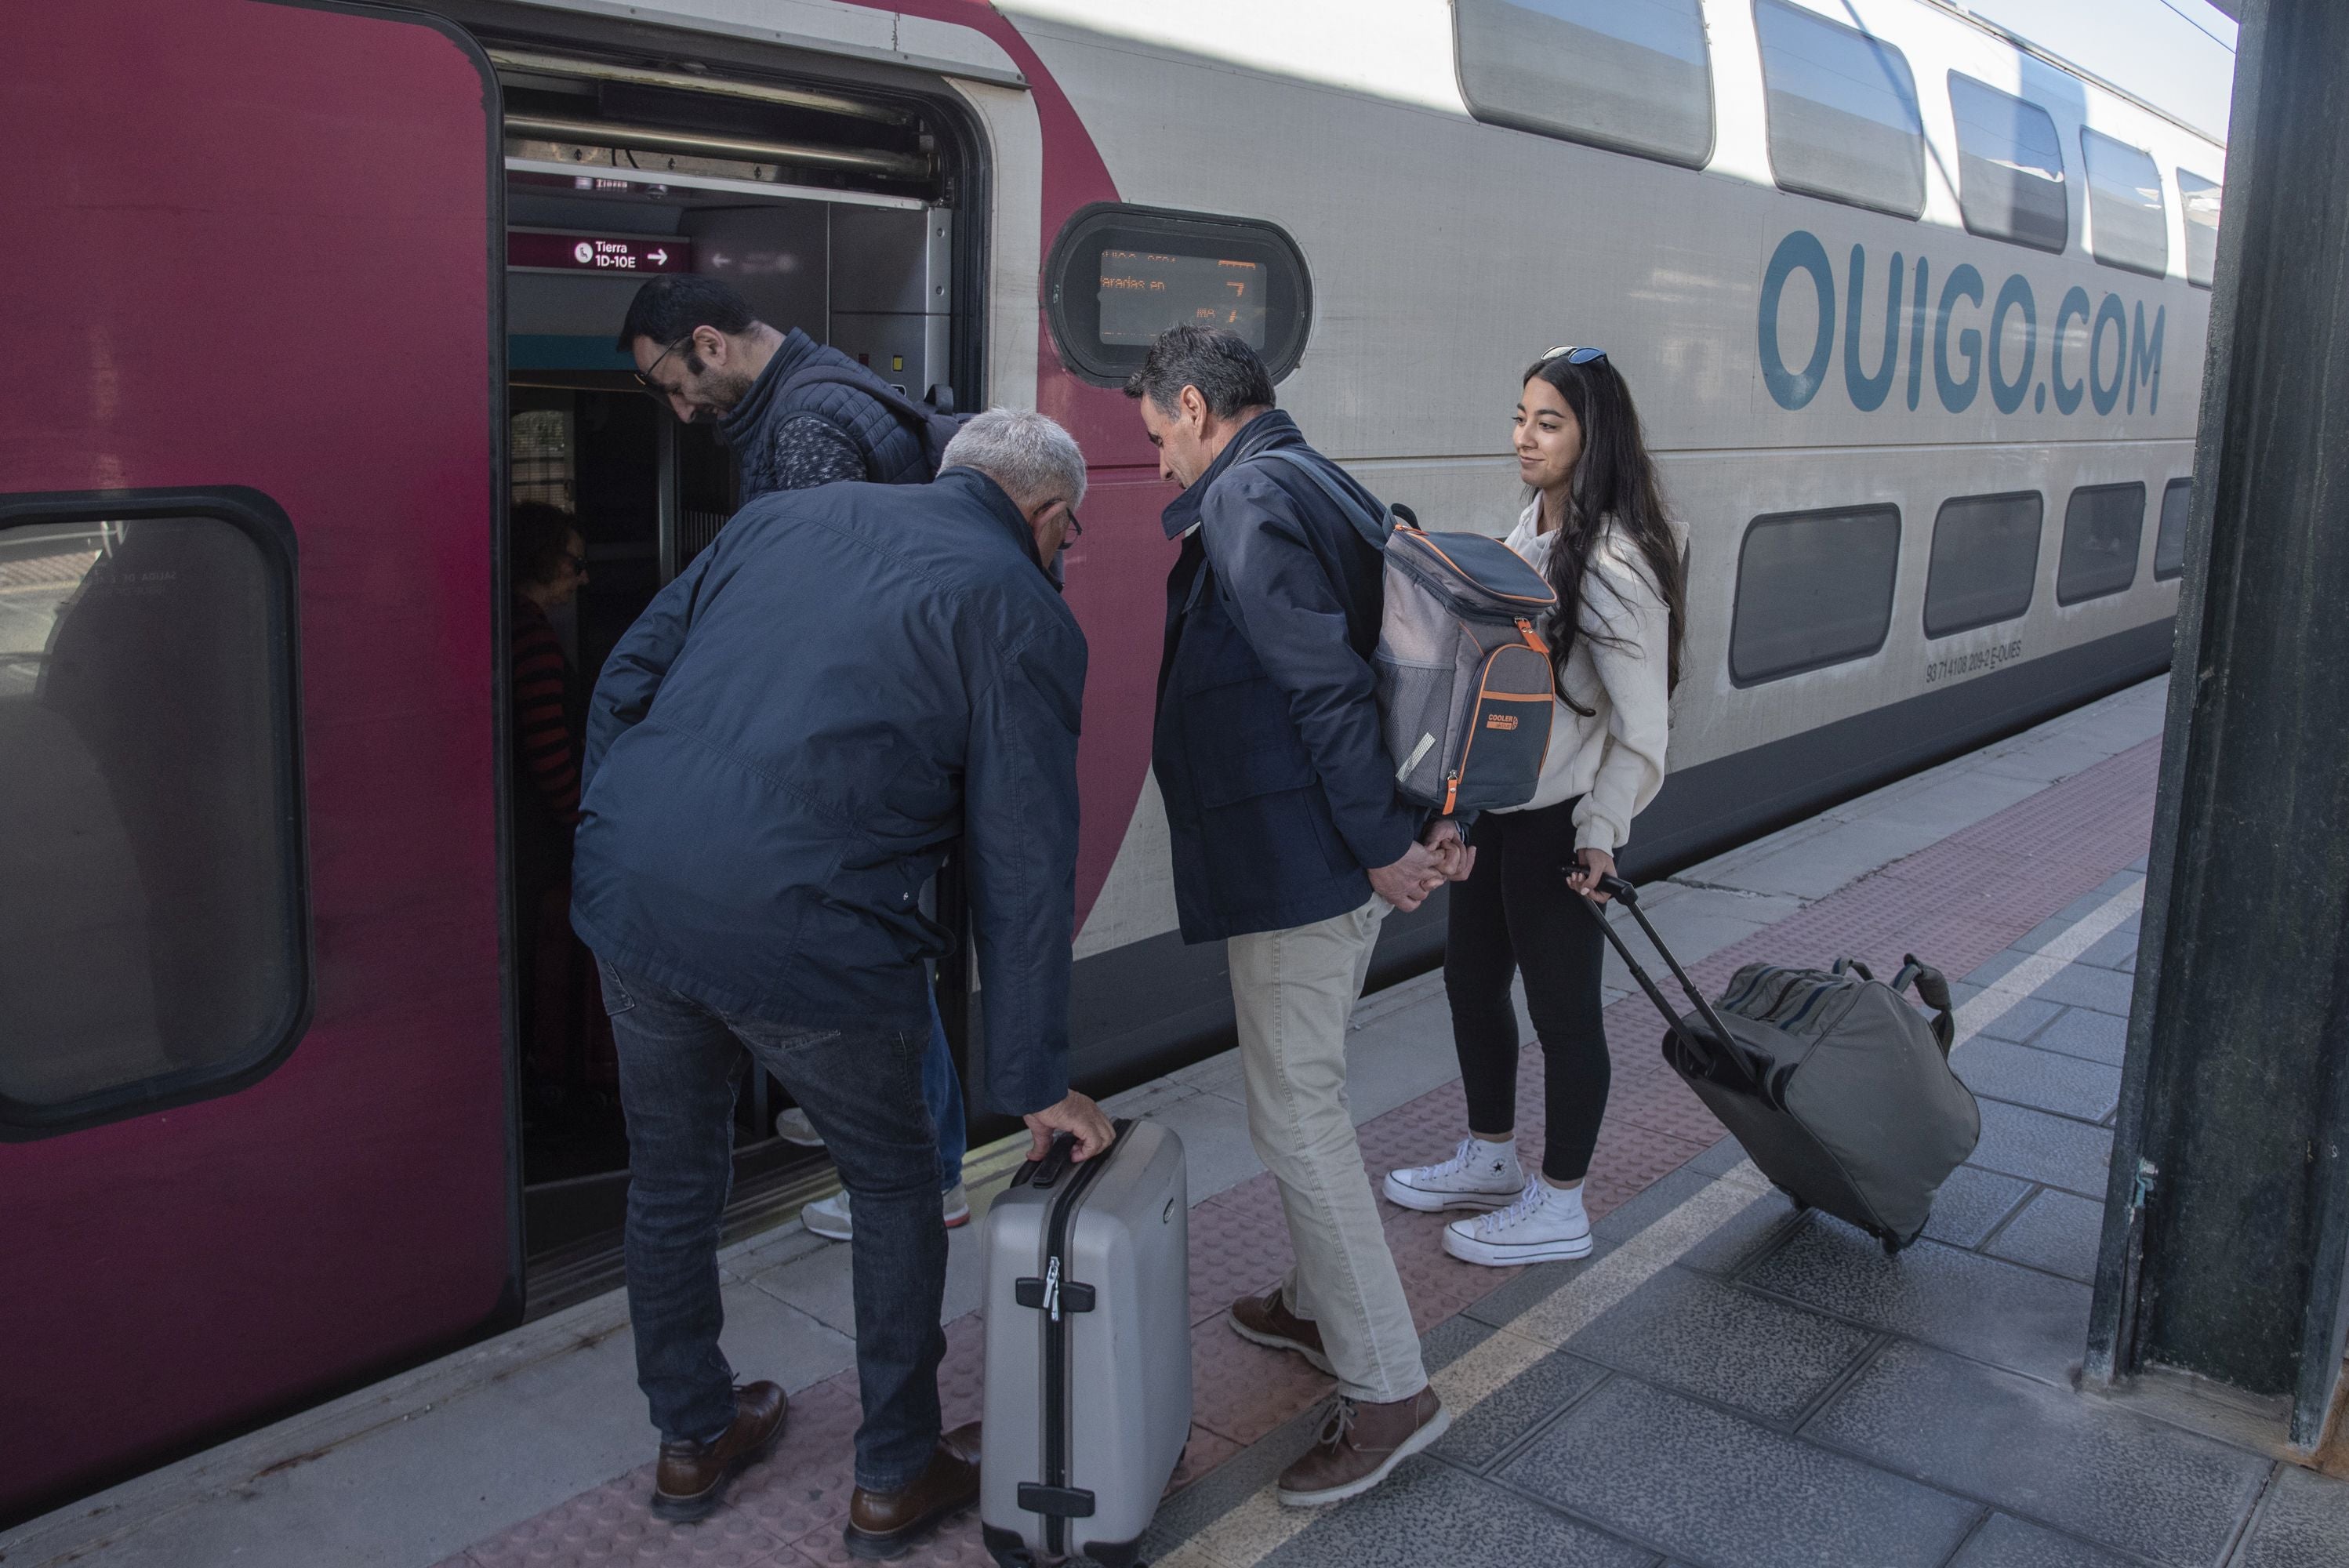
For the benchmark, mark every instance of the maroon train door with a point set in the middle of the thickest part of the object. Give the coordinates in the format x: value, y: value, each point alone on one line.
x: 254, y: 1102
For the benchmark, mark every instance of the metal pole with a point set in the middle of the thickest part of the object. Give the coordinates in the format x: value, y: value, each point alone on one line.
x: 2226, y: 1223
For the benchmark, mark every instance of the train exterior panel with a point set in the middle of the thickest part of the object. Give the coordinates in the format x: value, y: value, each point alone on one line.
x: 243, y: 292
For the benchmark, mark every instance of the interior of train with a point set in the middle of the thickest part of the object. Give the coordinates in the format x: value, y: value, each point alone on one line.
x: 833, y: 213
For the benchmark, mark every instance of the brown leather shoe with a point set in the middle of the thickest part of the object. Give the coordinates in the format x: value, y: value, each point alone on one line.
x: 692, y: 1476
x: 1266, y: 1320
x: 884, y: 1523
x: 1359, y: 1445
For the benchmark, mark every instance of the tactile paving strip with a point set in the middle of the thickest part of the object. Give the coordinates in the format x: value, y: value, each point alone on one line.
x: 614, y: 1525
x: 1232, y: 1255
x: 1241, y: 1391
x: 1955, y: 904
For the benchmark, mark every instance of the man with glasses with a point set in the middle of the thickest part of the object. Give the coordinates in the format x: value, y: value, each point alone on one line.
x: 700, y: 349
x: 779, y: 754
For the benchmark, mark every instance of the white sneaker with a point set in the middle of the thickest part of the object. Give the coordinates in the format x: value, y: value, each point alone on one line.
x: 794, y: 1128
x: 1544, y: 1224
x: 828, y: 1217
x: 1479, y: 1175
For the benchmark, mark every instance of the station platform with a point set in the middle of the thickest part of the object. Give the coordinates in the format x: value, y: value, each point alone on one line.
x: 1723, y: 1383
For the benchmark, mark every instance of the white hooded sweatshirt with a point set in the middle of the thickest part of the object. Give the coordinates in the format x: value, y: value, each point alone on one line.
x: 1614, y: 759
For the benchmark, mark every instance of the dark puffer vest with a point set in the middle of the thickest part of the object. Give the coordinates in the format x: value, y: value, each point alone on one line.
x: 892, y: 454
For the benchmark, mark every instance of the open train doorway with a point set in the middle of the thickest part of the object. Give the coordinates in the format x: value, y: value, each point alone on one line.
x: 832, y: 212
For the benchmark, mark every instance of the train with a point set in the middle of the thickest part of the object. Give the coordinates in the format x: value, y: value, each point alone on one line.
x: 309, y: 292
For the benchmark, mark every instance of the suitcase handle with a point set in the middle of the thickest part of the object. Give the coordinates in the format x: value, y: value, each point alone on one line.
x: 1724, y: 1048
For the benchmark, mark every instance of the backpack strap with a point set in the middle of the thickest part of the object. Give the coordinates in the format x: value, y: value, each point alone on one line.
x: 1933, y: 990
x: 924, y: 422
x: 1854, y: 966
x: 1372, y: 528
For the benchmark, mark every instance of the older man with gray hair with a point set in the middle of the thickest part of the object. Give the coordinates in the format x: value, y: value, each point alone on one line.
x: 849, y: 681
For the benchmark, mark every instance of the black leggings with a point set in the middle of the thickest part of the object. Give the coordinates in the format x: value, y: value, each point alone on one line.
x: 1517, y: 911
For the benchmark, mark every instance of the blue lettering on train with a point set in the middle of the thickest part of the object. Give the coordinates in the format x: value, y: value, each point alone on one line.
x: 1963, y: 329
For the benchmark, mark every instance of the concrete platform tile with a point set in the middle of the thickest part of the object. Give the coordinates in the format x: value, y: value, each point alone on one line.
x: 2116, y: 950
x: 2302, y: 1522
x: 1257, y: 1198
x: 1745, y: 1236
x: 613, y: 1524
x: 1232, y: 1255
x: 1240, y: 1390
x: 2026, y: 1018
x: 1712, y: 1488
x: 1201, y: 1455
x: 1629, y: 1159
x: 1534, y: 1397
x: 2007, y: 1542
x: 804, y: 1483
x: 2044, y: 1080
x: 2045, y: 1453
x: 1418, y: 1131
x: 1689, y: 1332
x: 2084, y: 1032
x: 1970, y: 1203
x: 962, y: 1376
x: 2037, y: 1147
x: 1661, y: 1102
x: 1428, y: 1512
x: 2058, y: 1232
x: 2085, y: 986
x: 1437, y: 1283
x: 1216, y: 1153
x: 2012, y: 1318
x: 955, y: 1544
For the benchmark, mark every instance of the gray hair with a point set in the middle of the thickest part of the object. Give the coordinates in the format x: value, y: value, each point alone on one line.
x: 1028, y: 455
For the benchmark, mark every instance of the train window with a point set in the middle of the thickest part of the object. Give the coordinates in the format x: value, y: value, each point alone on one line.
x: 2169, y: 538
x: 2126, y: 228
x: 1985, y: 561
x: 151, y: 945
x: 1631, y: 75
x: 2102, y: 527
x: 2198, y: 198
x: 1843, y: 112
x: 2010, y: 167
x: 1118, y: 276
x: 1814, y: 588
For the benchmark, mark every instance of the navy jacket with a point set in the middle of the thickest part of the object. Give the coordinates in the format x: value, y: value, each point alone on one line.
x: 1269, y: 751
x: 757, y: 428
x: 779, y: 751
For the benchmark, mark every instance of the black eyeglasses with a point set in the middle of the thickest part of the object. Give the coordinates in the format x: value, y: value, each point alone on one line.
x: 644, y: 376
x: 1576, y: 355
x: 576, y: 563
x: 1075, y: 529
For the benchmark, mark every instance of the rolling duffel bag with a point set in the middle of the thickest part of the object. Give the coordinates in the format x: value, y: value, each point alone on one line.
x: 1840, y: 1090
x: 1088, y: 1399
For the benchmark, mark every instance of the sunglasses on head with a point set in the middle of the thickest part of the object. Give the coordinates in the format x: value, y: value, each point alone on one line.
x: 1575, y: 356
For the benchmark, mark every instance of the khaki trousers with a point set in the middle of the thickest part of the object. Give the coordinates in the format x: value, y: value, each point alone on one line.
x: 1294, y: 991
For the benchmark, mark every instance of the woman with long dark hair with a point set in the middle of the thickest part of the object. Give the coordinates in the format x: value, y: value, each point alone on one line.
x: 1595, y: 528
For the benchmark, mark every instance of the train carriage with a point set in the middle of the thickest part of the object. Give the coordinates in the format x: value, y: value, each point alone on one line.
x: 309, y: 294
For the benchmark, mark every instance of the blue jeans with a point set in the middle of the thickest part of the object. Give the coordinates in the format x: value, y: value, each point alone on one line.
x: 680, y: 1064
x: 942, y: 1092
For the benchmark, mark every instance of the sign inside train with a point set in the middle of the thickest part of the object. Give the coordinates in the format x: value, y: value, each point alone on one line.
x: 1903, y: 326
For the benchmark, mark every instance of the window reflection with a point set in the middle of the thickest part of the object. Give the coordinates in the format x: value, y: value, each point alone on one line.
x: 147, y: 932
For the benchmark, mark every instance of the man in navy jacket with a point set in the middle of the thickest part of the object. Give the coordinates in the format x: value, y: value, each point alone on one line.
x: 1289, y: 843
x: 849, y: 680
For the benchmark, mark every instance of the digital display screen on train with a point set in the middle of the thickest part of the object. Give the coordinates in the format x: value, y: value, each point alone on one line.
x: 1143, y: 292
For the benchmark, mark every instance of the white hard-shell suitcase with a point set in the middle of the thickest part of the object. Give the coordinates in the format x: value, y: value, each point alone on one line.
x: 1087, y: 1350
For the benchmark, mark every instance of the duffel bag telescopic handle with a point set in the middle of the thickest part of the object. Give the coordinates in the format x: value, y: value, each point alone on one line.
x: 1724, y: 1049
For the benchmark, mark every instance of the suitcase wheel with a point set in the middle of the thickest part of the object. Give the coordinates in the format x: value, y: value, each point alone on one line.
x: 1892, y: 1245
